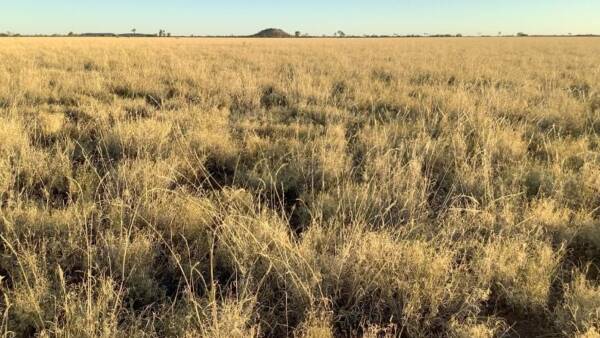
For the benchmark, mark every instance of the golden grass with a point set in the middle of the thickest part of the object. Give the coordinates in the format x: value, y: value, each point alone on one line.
x: 299, y: 187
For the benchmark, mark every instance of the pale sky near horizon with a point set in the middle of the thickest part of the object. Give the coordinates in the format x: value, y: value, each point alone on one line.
x: 185, y: 17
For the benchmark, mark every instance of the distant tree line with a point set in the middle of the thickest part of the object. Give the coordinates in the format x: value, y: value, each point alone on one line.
x: 298, y: 34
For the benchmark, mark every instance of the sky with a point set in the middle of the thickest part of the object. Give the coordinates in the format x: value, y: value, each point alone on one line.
x: 226, y: 17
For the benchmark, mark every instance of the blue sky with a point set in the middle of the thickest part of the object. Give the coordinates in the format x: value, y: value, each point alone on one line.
x: 315, y: 17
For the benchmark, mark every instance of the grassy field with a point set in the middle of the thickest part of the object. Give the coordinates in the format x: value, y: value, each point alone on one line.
x: 300, y: 187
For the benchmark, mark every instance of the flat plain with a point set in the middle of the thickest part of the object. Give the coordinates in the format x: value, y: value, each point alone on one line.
x: 300, y: 187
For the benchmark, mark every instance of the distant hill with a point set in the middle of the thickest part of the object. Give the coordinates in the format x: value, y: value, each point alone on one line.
x: 272, y: 33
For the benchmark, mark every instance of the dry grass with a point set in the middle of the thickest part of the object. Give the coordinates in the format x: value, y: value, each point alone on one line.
x: 300, y: 188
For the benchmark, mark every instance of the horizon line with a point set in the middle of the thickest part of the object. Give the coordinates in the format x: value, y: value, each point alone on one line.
x: 143, y: 35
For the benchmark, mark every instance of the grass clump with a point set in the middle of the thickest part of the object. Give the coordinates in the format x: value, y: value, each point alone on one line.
x: 272, y: 98
x: 473, y: 329
x: 521, y: 272
x: 579, y: 314
x: 138, y: 139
